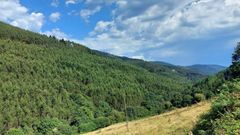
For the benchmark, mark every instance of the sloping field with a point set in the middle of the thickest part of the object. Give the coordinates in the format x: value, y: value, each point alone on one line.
x: 176, y: 122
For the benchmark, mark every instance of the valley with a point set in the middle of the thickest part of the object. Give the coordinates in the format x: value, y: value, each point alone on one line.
x: 54, y: 86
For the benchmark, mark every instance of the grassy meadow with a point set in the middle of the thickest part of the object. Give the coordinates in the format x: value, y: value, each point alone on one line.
x: 176, y: 122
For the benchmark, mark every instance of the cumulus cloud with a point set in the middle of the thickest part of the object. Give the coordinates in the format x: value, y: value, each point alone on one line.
x: 86, y: 13
x: 141, y: 25
x: 11, y: 11
x: 54, y: 17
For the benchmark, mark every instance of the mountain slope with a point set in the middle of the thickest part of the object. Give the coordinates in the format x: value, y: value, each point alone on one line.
x: 179, y: 122
x: 161, y: 68
x: 206, y: 69
x: 51, y: 86
x: 165, y: 69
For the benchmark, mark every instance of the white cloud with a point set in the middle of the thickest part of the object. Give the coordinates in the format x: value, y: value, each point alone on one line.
x: 101, y: 26
x: 100, y: 2
x: 55, y: 3
x: 71, y: 2
x: 57, y: 33
x: 54, y: 17
x: 86, y: 13
x: 11, y: 11
x: 232, y: 2
x: 142, y: 25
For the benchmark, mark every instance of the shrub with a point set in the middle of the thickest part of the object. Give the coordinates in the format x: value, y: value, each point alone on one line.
x: 48, y: 125
x: 27, y: 130
x: 102, y: 122
x: 187, y: 100
x: 103, y: 109
x: 90, y: 126
x: 116, y: 116
x: 199, y: 97
x: 55, y: 126
x: 66, y: 129
x: 15, y: 131
x: 202, y: 132
x: 136, y: 112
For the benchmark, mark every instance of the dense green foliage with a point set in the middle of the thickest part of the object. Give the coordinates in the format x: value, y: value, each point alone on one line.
x: 51, y: 86
x: 161, y: 68
x: 210, y: 86
x: 224, y: 117
x: 180, y: 73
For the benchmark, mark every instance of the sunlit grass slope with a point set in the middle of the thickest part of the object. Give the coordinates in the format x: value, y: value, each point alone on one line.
x: 176, y: 122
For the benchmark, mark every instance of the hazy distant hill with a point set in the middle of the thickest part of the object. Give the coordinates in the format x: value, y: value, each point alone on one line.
x: 206, y: 69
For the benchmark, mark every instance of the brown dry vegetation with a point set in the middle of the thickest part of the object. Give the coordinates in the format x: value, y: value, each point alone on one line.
x: 176, y: 122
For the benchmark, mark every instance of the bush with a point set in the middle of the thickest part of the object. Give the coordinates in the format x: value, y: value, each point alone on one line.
x: 202, y: 132
x: 199, y: 97
x: 116, y: 116
x: 27, y: 130
x: 187, y: 100
x: 103, y: 109
x: 137, y: 112
x: 83, y: 115
x: 102, y: 122
x: 15, y: 131
x: 90, y: 126
x: 55, y: 126
x: 223, y: 118
x: 66, y: 129
x: 168, y: 105
x: 48, y: 125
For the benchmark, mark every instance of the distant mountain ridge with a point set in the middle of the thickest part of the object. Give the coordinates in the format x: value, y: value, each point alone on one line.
x: 203, y: 69
x: 192, y: 72
x: 160, y: 68
x: 206, y: 69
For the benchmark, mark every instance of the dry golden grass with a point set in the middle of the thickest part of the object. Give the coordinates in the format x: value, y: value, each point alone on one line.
x: 176, y: 122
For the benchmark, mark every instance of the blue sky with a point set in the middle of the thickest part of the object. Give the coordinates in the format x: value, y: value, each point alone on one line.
x: 182, y: 33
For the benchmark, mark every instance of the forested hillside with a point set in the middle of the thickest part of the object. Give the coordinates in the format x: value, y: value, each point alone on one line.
x: 51, y: 86
x: 161, y: 68
x: 224, y: 117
